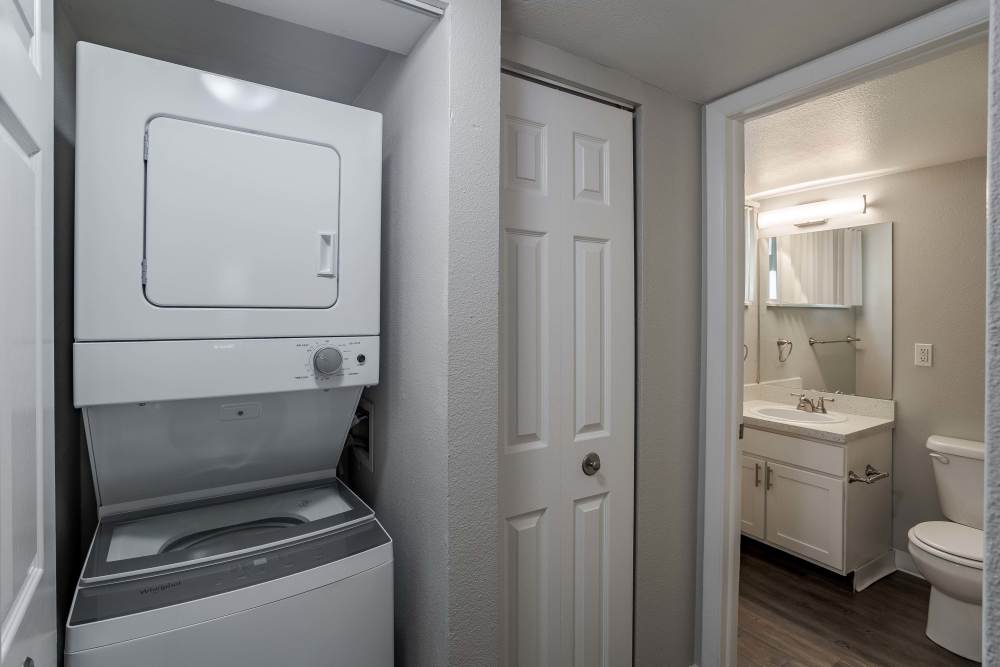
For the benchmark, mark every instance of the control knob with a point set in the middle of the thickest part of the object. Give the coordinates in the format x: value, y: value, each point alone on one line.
x: 327, y: 360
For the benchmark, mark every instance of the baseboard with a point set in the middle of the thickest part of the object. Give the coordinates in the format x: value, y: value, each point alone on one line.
x: 904, y: 563
x: 870, y: 572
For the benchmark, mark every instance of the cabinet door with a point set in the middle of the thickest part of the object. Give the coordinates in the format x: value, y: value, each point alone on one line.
x: 805, y: 513
x: 752, y: 497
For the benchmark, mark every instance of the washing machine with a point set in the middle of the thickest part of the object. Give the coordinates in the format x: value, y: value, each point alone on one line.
x: 294, y: 576
x: 226, y: 322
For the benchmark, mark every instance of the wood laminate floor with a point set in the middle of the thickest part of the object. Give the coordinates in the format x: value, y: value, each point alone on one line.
x: 793, y: 614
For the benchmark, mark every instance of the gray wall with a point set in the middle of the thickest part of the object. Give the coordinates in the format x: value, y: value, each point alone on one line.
x: 751, y: 364
x: 668, y: 237
x: 939, y: 282
x: 409, y: 489
x: 873, y: 321
x: 991, y: 612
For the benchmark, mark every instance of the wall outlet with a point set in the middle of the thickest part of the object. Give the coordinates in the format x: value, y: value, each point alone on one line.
x: 923, y: 354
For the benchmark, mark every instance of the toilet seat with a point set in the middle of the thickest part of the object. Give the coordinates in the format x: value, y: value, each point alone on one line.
x: 951, y: 541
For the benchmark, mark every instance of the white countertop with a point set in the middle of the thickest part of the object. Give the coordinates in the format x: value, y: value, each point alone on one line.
x: 854, y: 427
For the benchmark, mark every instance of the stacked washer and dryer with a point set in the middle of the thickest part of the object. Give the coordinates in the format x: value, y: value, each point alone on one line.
x: 227, y: 319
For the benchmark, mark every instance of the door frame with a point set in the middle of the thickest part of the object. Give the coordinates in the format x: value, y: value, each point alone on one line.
x: 945, y: 29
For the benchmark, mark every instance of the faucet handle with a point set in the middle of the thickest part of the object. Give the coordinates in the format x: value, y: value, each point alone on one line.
x: 804, y: 403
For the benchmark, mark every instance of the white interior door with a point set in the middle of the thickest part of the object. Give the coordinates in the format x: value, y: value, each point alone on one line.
x: 567, y: 378
x: 27, y: 554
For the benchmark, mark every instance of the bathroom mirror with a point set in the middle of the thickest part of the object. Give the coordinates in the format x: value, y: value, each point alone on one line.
x: 826, y: 295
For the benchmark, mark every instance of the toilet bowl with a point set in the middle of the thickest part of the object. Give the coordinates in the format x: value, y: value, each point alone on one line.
x: 949, y: 554
x: 954, y: 614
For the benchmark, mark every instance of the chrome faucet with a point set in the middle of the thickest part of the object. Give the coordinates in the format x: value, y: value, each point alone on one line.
x: 817, y: 404
x: 805, y: 405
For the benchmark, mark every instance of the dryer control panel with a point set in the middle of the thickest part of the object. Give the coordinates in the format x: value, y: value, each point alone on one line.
x: 143, y: 371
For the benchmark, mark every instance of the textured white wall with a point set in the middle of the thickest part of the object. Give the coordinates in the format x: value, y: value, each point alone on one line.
x: 410, y: 487
x: 436, y: 406
x: 473, y: 338
x: 991, y: 611
x: 668, y: 301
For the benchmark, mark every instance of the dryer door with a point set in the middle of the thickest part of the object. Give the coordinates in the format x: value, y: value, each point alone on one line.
x: 236, y: 219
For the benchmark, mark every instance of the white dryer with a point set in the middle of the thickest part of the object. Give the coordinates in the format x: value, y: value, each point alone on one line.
x: 208, y: 207
x: 227, y: 320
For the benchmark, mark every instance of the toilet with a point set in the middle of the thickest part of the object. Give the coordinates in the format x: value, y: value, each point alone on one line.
x: 950, y: 553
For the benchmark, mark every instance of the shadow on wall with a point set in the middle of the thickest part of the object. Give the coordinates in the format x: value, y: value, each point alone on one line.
x: 75, y: 505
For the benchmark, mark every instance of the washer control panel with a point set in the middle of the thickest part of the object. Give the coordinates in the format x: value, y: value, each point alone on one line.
x: 107, y: 372
x: 338, y: 361
x: 327, y: 360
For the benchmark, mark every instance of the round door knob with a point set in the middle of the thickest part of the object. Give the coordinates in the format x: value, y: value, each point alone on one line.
x: 327, y: 360
x: 591, y: 463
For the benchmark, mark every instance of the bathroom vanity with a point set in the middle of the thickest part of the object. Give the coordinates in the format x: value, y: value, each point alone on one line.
x: 818, y: 486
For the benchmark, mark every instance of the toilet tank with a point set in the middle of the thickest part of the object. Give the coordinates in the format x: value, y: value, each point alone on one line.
x: 958, y: 471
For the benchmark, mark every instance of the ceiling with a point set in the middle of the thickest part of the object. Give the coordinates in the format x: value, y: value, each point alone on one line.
x: 703, y: 49
x: 228, y: 40
x: 932, y: 113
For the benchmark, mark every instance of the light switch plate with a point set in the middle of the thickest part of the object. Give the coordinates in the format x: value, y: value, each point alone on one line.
x: 923, y: 354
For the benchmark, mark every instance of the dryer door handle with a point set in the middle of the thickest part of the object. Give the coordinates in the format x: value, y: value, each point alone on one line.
x: 327, y: 255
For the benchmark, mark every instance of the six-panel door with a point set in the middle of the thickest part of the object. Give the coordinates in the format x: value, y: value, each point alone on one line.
x: 27, y: 517
x: 567, y: 378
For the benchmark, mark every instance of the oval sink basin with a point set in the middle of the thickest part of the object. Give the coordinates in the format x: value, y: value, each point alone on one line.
x: 799, y: 416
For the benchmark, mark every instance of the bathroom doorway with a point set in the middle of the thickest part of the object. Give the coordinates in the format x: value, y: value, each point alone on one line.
x: 865, y: 224
x: 861, y: 230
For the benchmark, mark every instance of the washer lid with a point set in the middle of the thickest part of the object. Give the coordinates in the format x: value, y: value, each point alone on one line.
x: 951, y: 538
x: 141, y: 544
x: 163, y: 453
x: 159, y: 592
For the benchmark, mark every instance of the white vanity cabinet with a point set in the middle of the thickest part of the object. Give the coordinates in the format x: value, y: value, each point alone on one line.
x: 797, y: 495
x: 752, y: 496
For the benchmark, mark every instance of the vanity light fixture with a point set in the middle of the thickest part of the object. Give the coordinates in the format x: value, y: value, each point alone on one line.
x: 815, y: 213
